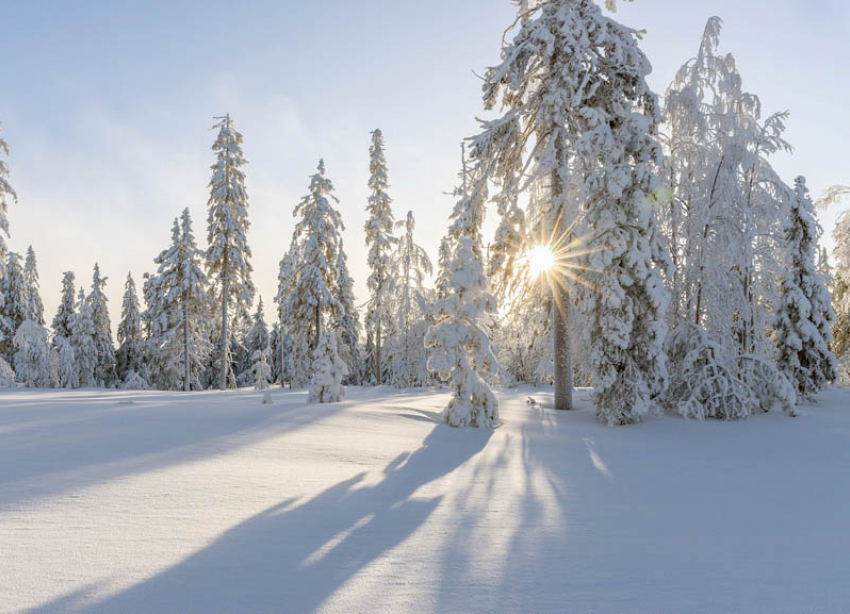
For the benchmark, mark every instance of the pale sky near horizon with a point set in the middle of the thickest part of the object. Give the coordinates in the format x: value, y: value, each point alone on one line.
x: 108, y: 107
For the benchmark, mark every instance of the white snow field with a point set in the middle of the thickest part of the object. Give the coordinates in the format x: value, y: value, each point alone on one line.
x: 118, y: 502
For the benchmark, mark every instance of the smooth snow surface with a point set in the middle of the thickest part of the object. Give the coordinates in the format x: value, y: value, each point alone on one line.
x: 118, y: 502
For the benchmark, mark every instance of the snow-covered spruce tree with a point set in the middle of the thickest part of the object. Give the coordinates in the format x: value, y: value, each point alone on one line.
x: 7, y: 374
x: 294, y: 369
x: 228, y: 255
x: 580, y: 115
x: 316, y: 240
x: 83, y: 341
x: 32, y: 366
x: 379, y: 240
x: 805, y: 317
x: 35, y: 308
x: 178, y: 309
x: 262, y: 374
x: 256, y: 339
x: 61, y: 324
x: 444, y: 262
x: 346, y: 320
x: 194, y: 305
x: 67, y: 371
x: 276, y: 353
x: 367, y: 366
x: 130, y: 356
x: 13, y: 310
x: 32, y: 351
x: 241, y: 363
x: 105, y: 369
x: 161, y: 317
x: 618, y: 115
x: 328, y: 371
x: 409, y: 266
x: 459, y: 344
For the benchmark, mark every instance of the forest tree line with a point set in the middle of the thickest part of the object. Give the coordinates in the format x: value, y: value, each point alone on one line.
x: 687, y: 275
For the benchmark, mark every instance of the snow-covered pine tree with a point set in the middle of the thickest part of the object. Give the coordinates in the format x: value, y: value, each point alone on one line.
x: 316, y: 241
x: 459, y: 341
x: 580, y: 119
x: 805, y: 317
x: 409, y: 266
x: 503, y: 154
x: 379, y: 240
x: 83, y: 334
x: 13, y: 310
x: 346, y: 319
x: 228, y: 255
x: 35, y: 308
x: 130, y: 356
x: 105, y: 369
x: 32, y: 366
x: 328, y: 371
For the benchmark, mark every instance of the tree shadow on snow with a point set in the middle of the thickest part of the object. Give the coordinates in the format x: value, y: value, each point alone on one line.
x: 51, y: 445
x: 422, y: 415
x: 516, y: 563
x: 291, y: 558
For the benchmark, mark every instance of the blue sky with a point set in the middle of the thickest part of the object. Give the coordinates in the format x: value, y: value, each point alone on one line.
x: 107, y: 107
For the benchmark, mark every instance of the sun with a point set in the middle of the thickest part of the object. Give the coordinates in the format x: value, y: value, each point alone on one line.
x: 541, y: 259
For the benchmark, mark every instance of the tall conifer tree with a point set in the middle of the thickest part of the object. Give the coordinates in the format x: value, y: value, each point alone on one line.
x: 228, y: 255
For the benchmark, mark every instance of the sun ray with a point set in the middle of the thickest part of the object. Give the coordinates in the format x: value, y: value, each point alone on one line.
x: 541, y: 259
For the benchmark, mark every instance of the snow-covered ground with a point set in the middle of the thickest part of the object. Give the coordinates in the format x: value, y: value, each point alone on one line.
x: 166, y: 503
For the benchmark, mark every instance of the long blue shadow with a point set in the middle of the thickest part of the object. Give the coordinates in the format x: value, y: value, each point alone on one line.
x: 290, y: 558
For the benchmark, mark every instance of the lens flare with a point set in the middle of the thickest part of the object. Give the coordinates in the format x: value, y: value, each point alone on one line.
x: 541, y: 259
